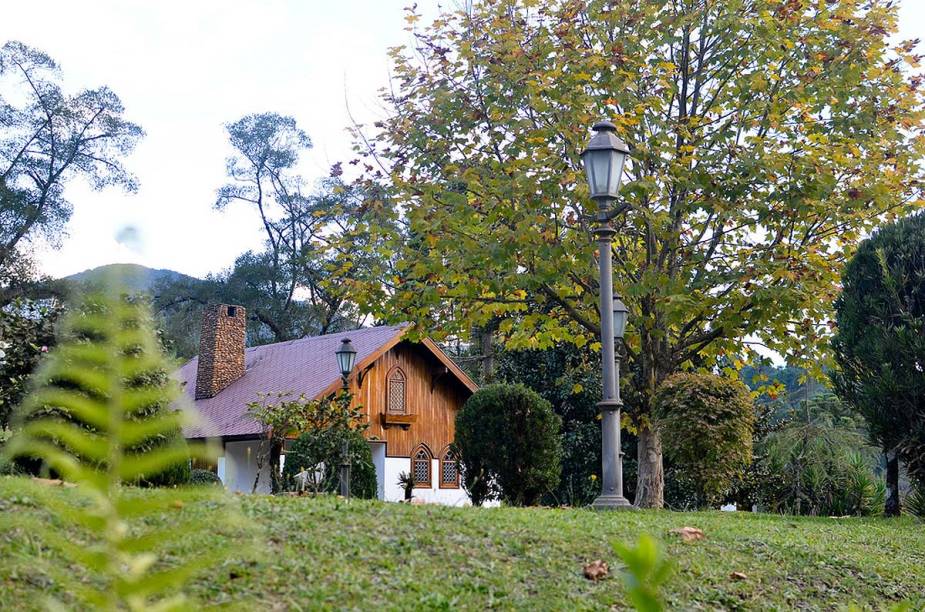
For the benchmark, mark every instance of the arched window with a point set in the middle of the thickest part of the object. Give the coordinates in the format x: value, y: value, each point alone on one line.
x: 420, y: 466
x: 449, y: 470
x: 396, y: 393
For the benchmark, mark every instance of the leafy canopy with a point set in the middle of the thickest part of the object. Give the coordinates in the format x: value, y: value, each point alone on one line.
x: 766, y: 138
x: 48, y: 139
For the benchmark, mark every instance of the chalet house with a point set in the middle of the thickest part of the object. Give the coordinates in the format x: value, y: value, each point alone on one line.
x: 409, y: 392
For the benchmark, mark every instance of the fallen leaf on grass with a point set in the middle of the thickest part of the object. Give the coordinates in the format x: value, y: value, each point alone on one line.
x: 689, y: 534
x: 596, y: 570
x: 53, y: 482
x: 738, y: 575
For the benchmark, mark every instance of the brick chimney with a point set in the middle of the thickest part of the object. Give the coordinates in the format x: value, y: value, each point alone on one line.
x: 221, y: 349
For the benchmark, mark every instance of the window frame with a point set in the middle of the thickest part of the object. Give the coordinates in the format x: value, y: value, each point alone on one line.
x: 446, y: 457
x: 422, y: 448
x: 398, y: 374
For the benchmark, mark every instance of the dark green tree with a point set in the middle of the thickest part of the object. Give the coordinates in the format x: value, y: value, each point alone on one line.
x: 508, y: 440
x: 27, y: 332
x: 880, y: 345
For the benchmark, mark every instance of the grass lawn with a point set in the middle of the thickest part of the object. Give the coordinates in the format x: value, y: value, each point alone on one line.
x: 327, y: 553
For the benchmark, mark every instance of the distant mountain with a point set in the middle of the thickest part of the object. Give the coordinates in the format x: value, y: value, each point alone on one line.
x: 136, y: 277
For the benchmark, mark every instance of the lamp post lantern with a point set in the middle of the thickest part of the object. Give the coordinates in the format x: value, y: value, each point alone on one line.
x: 603, y: 160
x: 346, y: 358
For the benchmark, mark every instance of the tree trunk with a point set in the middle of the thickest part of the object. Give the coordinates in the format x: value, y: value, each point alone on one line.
x: 650, y: 486
x: 276, y: 448
x: 892, y: 485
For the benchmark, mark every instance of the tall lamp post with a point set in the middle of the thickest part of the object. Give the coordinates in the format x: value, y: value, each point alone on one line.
x: 603, y: 160
x: 346, y: 358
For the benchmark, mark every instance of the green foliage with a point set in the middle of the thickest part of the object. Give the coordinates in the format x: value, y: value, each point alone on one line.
x: 27, y: 330
x: 200, y: 477
x: 759, y: 483
x: 823, y: 462
x: 880, y: 342
x: 281, y: 416
x: 320, y: 454
x: 406, y: 482
x: 914, y: 503
x: 754, y: 168
x: 647, y: 569
x: 706, y: 422
x: 100, y: 416
x: 568, y: 378
x: 295, y: 285
x: 508, y: 440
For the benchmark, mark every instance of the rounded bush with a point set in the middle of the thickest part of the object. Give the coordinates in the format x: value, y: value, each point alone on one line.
x: 315, y: 448
x: 509, y: 445
x: 199, y: 477
x: 706, y: 424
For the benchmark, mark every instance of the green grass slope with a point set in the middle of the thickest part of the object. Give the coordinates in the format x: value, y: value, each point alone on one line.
x: 328, y: 553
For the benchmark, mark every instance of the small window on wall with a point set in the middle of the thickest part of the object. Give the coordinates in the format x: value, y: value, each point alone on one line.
x: 397, y: 401
x: 449, y: 470
x: 420, y: 467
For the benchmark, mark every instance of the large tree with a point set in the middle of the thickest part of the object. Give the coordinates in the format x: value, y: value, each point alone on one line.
x: 47, y: 138
x: 296, y: 285
x: 880, y: 345
x: 766, y: 136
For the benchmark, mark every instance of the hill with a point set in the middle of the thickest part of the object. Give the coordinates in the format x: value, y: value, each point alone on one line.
x: 322, y: 553
x: 136, y: 277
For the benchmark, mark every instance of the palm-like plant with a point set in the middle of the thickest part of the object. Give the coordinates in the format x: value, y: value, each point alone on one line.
x: 817, y: 455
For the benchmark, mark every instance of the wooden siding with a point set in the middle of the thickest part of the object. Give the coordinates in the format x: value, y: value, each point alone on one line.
x: 433, y: 395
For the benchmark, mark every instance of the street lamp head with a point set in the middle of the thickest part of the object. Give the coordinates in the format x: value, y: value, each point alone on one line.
x: 620, y: 312
x: 603, y: 159
x: 346, y: 357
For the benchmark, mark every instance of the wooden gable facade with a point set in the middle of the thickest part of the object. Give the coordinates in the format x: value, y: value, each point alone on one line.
x: 410, y: 394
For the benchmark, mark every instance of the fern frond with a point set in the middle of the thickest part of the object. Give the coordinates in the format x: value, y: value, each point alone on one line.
x: 103, y: 416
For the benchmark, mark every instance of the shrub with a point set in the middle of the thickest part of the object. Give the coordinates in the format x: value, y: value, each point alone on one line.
x: 320, y: 453
x: 508, y: 440
x: 200, y: 477
x: 706, y: 425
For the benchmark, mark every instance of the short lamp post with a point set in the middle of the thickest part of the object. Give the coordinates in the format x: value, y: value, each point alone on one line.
x: 346, y: 358
x: 603, y: 160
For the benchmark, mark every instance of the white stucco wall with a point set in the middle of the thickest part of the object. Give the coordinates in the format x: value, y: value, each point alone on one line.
x: 240, y: 467
x: 394, y: 466
x: 378, y: 451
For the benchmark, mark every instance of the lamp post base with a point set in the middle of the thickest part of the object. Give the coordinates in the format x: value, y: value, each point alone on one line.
x: 611, y: 502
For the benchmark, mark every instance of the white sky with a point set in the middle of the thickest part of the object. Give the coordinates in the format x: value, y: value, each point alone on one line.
x: 183, y: 69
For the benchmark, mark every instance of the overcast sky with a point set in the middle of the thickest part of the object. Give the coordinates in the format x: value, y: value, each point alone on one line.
x: 183, y: 69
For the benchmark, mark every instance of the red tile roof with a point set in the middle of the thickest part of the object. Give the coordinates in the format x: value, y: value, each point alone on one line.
x: 305, y: 366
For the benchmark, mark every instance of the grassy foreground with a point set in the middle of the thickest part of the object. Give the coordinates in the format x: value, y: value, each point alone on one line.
x: 326, y: 553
